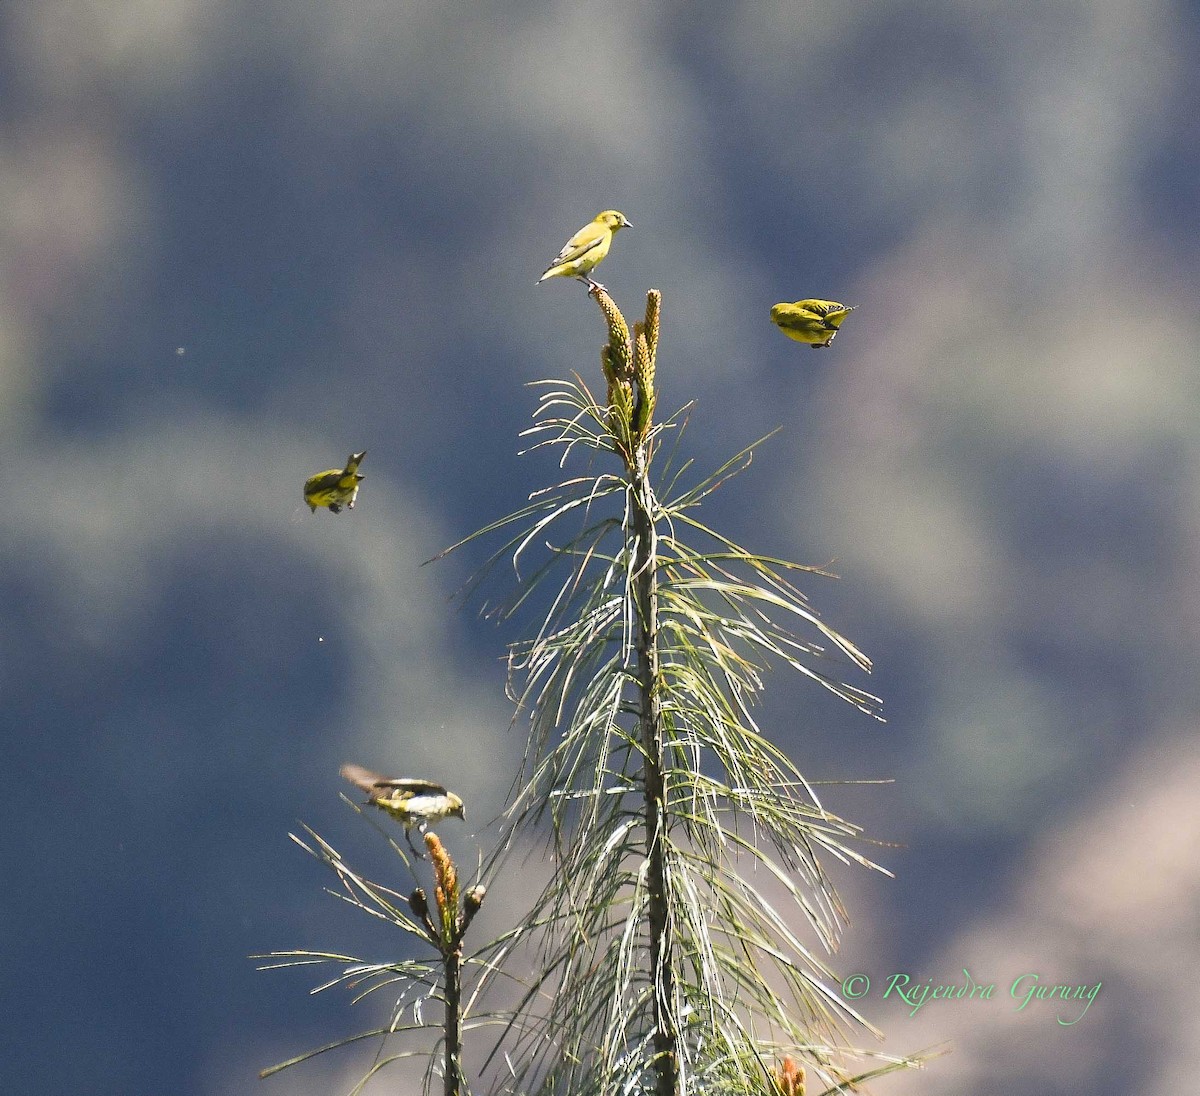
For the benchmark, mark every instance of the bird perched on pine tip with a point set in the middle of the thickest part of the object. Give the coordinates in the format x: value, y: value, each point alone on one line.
x: 811, y: 321
x: 584, y: 251
x: 411, y: 802
x: 335, y: 488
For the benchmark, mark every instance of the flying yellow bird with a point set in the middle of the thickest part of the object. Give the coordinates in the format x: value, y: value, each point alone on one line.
x: 811, y: 321
x: 410, y: 802
x: 335, y: 488
x: 586, y: 249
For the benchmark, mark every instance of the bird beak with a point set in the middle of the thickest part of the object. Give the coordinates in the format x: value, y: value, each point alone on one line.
x: 626, y: 224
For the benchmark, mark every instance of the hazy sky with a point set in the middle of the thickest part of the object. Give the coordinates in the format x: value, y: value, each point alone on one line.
x: 241, y: 238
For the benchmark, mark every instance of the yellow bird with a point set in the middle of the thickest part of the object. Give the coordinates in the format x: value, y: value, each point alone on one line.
x: 586, y: 249
x: 410, y: 802
x: 811, y: 321
x: 335, y: 488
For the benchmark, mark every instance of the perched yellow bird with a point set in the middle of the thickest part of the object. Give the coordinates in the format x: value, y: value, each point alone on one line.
x: 811, y: 321
x: 410, y: 802
x: 587, y: 248
x: 335, y: 488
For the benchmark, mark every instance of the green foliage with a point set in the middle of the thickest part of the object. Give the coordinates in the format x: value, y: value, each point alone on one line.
x: 674, y: 946
x: 739, y: 832
x: 416, y: 983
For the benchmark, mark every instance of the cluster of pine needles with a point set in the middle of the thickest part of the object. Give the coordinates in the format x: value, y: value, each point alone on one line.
x: 663, y: 953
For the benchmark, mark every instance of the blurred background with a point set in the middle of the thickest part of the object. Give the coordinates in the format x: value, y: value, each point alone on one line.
x: 241, y: 238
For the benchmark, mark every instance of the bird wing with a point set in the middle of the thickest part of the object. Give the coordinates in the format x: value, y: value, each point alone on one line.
x: 833, y: 310
x: 820, y: 308
x: 413, y: 787
x: 323, y: 481
x: 361, y: 777
x: 587, y: 238
x: 396, y: 789
x: 798, y: 315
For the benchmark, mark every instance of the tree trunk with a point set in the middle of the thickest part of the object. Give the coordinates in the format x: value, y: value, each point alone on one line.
x: 645, y: 584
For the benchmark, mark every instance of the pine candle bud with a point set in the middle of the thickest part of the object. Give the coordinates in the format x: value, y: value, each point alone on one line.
x: 618, y: 336
x: 472, y: 900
